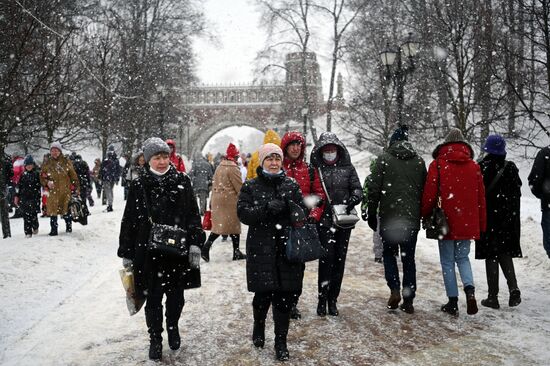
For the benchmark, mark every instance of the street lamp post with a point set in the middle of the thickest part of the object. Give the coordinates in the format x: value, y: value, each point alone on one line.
x: 398, y: 74
x: 162, y: 95
x: 305, y: 111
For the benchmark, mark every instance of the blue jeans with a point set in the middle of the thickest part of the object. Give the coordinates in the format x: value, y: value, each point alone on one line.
x: 545, y: 223
x: 451, y: 252
x: 404, y: 242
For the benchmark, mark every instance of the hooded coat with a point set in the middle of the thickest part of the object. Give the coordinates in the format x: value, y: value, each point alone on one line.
x: 201, y: 174
x: 176, y: 158
x: 267, y: 268
x: 300, y: 171
x: 341, y: 179
x: 503, y: 205
x: 226, y: 186
x: 64, y: 177
x: 28, y: 191
x: 170, y: 201
x: 254, y: 163
x: 110, y: 168
x: 395, y: 187
x: 539, y: 178
x: 462, y: 190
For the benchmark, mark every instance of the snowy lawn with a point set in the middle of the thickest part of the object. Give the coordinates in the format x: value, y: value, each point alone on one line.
x: 63, y: 304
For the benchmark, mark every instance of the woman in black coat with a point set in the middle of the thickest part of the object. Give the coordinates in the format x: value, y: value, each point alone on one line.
x: 263, y: 205
x: 28, y: 195
x: 501, y: 242
x: 165, y: 195
x: 342, y: 187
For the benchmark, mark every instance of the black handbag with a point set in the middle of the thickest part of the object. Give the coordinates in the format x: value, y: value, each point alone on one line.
x: 303, y: 244
x: 79, y: 212
x: 437, y: 226
x: 166, y: 240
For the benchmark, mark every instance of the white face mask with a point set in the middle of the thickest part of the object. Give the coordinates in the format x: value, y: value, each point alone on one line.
x: 331, y: 156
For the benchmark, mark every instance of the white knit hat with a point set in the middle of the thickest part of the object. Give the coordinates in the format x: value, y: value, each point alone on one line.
x: 56, y: 145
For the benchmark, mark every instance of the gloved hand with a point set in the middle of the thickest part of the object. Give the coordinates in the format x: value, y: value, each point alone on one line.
x: 194, y: 256
x: 276, y: 206
x: 311, y: 220
x: 350, y: 207
x: 373, y: 222
x: 364, y: 215
x: 127, y: 263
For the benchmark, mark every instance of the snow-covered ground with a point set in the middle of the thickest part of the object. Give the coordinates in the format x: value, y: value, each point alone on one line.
x: 62, y: 303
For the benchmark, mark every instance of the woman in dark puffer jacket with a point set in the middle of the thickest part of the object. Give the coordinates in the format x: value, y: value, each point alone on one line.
x: 331, y: 158
x: 263, y: 205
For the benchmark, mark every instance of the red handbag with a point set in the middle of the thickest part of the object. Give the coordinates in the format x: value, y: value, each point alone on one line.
x: 207, y: 220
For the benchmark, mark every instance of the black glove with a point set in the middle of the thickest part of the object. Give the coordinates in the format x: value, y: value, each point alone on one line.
x: 350, y: 207
x: 364, y: 215
x: 276, y: 206
x: 373, y: 222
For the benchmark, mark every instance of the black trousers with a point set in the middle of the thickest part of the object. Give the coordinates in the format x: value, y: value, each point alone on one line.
x: 492, y: 268
x: 333, y: 264
x: 30, y: 221
x: 153, y: 307
x: 281, y: 300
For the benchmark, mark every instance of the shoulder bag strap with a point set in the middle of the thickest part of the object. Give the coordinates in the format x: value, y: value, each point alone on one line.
x: 146, y: 204
x: 497, y: 177
x: 438, y: 183
x: 324, y: 186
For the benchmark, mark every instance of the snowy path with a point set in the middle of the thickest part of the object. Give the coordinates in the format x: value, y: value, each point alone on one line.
x: 62, y: 304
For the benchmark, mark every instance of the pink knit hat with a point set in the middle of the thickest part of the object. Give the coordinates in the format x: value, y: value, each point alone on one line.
x: 268, y: 149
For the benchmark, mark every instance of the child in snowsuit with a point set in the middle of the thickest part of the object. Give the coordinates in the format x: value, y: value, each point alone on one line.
x: 29, y: 195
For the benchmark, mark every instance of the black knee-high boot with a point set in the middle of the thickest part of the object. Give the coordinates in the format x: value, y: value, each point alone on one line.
x: 281, y: 321
x: 237, y: 254
x: 53, y: 224
x: 153, y: 318
x: 174, y: 305
x: 258, y: 332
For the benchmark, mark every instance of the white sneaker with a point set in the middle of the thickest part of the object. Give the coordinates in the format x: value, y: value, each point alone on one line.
x: 35, y: 231
x: 28, y: 236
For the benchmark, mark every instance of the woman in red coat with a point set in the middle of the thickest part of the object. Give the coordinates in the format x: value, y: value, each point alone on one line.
x: 463, y: 201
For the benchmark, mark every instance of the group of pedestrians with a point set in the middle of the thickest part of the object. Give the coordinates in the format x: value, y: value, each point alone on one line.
x: 480, y: 201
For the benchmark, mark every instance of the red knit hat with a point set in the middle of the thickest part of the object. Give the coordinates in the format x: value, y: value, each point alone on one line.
x: 231, y: 152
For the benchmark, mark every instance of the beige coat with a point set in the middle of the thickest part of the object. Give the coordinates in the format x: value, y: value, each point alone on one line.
x: 226, y: 186
x: 61, y: 172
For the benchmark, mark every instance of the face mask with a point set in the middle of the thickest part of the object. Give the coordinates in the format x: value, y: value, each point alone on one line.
x: 331, y: 156
x: 280, y: 172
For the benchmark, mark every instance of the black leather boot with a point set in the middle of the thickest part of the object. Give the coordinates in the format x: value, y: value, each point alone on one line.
x: 491, y: 302
x: 332, y: 309
x: 238, y: 255
x: 205, y: 251
x: 68, y: 225
x: 53, y: 224
x: 471, y: 302
x: 515, y: 297
x: 174, y: 339
x: 395, y: 298
x: 322, y: 306
x: 281, y: 321
x: 153, y: 318
x: 407, y: 305
x: 451, y: 307
x: 258, y: 332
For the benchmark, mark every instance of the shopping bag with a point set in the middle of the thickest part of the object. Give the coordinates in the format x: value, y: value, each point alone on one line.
x: 133, y: 302
x: 207, y: 220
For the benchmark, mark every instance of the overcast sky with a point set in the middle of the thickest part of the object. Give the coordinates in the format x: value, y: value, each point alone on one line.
x: 236, y: 23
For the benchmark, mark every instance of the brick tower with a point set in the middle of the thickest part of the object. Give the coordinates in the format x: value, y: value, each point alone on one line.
x: 293, y: 85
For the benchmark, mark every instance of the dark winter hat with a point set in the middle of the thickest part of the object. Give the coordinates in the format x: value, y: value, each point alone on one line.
x: 29, y: 160
x: 495, y: 145
x: 454, y: 135
x: 111, y: 148
x: 153, y: 146
x: 401, y: 133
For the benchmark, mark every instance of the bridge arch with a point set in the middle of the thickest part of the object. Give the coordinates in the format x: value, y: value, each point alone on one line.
x: 202, y: 135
